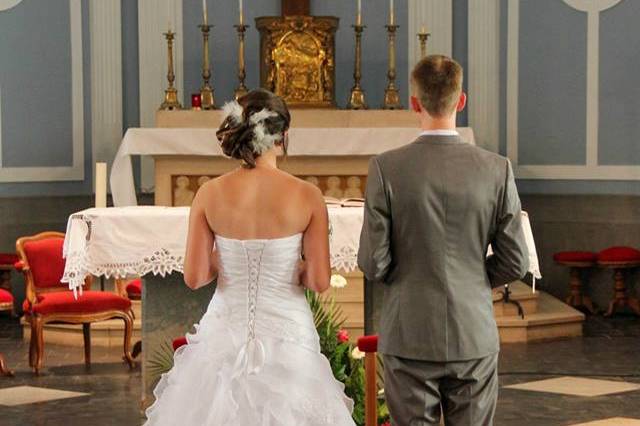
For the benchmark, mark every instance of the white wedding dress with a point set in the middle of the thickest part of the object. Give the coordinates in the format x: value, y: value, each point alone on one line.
x: 254, y: 358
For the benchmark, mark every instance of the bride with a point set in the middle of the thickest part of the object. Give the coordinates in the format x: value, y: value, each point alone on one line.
x: 254, y: 358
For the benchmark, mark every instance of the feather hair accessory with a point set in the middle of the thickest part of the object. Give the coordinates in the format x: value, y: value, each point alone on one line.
x: 263, y: 140
x: 234, y: 110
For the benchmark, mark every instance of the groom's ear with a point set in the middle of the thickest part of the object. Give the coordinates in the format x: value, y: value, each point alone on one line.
x: 462, y: 102
x: 415, y: 105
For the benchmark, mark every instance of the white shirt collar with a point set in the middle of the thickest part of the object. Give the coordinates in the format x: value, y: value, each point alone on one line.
x: 440, y: 132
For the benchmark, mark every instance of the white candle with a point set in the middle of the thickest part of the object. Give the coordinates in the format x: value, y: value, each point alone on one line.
x: 359, y: 16
x: 423, y: 29
x: 205, y: 14
x: 391, y: 14
x: 169, y: 16
x: 101, y: 185
x: 241, y: 12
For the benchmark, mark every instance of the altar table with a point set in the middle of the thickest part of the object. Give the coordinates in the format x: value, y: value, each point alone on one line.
x: 149, y: 241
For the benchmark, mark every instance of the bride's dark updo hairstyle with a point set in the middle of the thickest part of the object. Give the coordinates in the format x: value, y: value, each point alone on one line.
x: 236, y: 139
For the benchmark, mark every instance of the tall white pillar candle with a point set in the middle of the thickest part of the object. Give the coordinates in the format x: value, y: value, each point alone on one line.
x: 101, y: 185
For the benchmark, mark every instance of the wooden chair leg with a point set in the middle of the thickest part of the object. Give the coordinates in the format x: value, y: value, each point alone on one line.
x: 39, y: 343
x: 4, y: 370
x: 128, y: 331
x: 371, y: 390
x: 32, y: 344
x: 137, y: 349
x: 86, y: 332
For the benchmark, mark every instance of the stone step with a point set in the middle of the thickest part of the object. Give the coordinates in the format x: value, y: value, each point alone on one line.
x: 554, y: 319
x: 520, y: 292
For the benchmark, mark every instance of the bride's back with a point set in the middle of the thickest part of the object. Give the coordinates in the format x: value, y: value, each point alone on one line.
x: 258, y: 203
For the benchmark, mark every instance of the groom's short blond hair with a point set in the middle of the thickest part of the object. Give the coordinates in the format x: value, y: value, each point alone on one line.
x: 437, y: 83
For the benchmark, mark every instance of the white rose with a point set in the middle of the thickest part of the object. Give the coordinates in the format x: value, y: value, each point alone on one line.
x: 357, y: 353
x: 338, y: 281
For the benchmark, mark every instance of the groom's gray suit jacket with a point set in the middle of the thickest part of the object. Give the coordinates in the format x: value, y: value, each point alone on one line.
x: 432, y: 209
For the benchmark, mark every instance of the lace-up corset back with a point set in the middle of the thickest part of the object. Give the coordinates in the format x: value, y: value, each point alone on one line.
x: 258, y: 288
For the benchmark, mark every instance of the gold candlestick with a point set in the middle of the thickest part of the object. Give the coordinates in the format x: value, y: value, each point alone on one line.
x: 171, y: 93
x: 423, y: 36
x: 206, y: 92
x: 391, y: 94
x: 242, y: 73
x: 356, y: 100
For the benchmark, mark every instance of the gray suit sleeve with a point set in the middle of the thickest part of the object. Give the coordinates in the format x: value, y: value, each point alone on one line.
x: 374, y: 255
x: 510, y: 259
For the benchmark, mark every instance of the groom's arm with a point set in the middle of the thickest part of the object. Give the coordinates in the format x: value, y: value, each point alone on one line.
x: 510, y: 261
x: 374, y: 255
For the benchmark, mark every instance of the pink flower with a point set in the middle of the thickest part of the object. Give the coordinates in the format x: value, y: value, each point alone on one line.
x: 343, y: 336
x: 387, y: 423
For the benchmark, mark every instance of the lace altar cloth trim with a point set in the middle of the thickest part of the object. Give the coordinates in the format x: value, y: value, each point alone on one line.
x: 125, y: 241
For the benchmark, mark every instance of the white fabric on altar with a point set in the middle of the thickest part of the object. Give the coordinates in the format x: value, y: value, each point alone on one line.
x: 124, y: 241
x: 305, y: 141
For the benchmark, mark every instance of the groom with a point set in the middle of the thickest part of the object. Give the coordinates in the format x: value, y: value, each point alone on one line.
x: 432, y: 208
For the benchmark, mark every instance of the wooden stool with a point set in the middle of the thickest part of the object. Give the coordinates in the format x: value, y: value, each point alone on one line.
x: 620, y: 259
x: 369, y: 345
x: 577, y: 261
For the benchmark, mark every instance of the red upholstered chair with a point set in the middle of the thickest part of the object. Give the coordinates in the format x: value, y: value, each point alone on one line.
x: 577, y: 261
x: 369, y: 345
x: 49, y: 300
x: 620, y: 259
x: 6, y: 304
x: 7, y: 260
x: 6, y: 300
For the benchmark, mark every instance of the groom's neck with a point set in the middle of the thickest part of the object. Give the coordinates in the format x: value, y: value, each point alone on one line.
x: 441, y: 123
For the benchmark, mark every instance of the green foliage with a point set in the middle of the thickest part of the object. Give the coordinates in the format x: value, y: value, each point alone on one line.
x: 329, y: 320
x: 161, y: 361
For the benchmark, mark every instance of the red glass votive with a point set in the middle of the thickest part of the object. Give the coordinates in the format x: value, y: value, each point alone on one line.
x: 196, y: 101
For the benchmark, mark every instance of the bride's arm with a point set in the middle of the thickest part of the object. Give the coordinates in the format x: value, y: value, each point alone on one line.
x: 316, y: 273
x: 200, y: 266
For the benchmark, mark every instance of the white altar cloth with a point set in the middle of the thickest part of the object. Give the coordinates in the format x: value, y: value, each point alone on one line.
x: 304, y: 141
x: 125, y: 241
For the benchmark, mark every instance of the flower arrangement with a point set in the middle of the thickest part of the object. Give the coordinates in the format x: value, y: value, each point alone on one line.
x: 346, y: 360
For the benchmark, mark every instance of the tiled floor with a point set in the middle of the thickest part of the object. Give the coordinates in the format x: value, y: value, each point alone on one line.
x: 109, y: 394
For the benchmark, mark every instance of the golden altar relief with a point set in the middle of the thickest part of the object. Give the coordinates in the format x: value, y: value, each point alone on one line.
x: 297, y: 59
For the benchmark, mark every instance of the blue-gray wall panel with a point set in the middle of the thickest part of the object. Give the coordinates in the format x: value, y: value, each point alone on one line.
x: 619, y: 132
x: 36, y: 189
x: 130, y: 74
x: 552, y: 83
x: 461, y: 48
x: 36, y: 84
